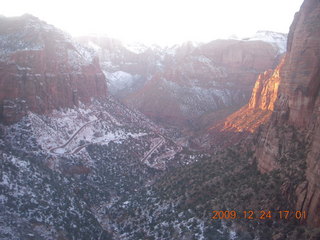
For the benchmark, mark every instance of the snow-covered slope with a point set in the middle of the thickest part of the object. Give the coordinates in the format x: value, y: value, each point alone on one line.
x: 119, y: 81
x: 58, y: 171
x: 277, y: 39
x: 136, y: 47
x: 28, y: 33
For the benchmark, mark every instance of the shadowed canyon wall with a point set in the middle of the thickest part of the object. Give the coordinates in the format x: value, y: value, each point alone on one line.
x: 295, y: 123
x: 286, y: 102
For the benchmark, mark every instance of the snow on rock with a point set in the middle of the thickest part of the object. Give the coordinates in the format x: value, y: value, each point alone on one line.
x: 94, y: 46
x: 81, y: 55
x: 61, y: 71
x: 120, y: 80
x: 28, y: 33
x: 275, y: 38
x: 67, y: 132
x: 12, y: 41
x: 136, y: 47
x: 204, y: 59
x: 198, y: 100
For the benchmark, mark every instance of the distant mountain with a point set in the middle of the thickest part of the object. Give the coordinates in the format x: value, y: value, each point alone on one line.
x: 183, y: 84
x: 125, y: 69
x: 275, y: 38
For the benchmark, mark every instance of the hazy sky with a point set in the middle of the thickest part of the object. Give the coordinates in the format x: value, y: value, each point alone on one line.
x: 160, y: 21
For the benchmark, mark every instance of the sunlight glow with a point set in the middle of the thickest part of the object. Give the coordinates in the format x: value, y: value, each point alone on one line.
x: 163, y: 22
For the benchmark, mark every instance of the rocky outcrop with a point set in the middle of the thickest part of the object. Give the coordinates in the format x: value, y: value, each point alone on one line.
x: 184, y: 84
x: 250, y: 117
x: 42, y: 68
x: 294, y: 127
x: 126, y: 69
x: 205, y: 79
x: 283, y: 114
x: 265, y: 91
x: 237, y: 54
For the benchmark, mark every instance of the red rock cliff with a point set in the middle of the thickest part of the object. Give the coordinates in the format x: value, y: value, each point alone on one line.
x: 200, y: 80
x: 254, y: 114
x: 287, y: 102
x: 265, y: 91
x: 293, y: 132
x: 42, y: 69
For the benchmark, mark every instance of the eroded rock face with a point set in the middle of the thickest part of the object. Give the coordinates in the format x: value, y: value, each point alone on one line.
x: 183, y: 84
x: 250, y: 117
x: 286, y: 101
x: 265, y: 91
x: 297, y: 107
x: 203, y: 80
x: 42, y: 69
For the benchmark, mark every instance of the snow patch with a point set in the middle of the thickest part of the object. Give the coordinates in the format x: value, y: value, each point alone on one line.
x: 120, y: 80
x: 94, y: 46
x: 204, y: 59
x: 277, y: 39
x: 136, y: 47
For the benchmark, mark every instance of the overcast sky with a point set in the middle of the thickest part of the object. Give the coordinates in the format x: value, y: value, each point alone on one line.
x: 160, y: 21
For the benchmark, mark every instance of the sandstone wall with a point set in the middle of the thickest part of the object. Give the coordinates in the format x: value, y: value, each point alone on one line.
x: 42, y: 69
x: 297, y: 108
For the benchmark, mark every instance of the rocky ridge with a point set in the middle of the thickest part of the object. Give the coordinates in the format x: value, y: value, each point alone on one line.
x: 42, y: 68
x: 182, y: 84
x: 297, y: 109
x: 260, y: 106
x: 283, y: 115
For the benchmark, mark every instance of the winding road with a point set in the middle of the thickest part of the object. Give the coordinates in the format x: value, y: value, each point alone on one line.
x: 79, y: 148
x: 53, y: 150
x: 153, y: 149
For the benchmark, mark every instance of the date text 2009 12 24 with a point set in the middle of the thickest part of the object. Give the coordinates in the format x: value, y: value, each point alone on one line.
x: 262, y: 215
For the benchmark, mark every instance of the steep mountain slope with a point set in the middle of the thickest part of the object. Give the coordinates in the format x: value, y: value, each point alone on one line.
x: 125, y: 68
x: 294, y: 126
x: 180, y: 85
x: 276, y: 169
x: 286, y: 102
x: 42, y: 68
x: 67, y: 149
x: 60, y: 171
x: 253, y: 115
x: 181, y: 204
x: 204, y: 80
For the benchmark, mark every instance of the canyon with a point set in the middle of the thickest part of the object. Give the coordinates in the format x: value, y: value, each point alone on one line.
x: 285, y: 105
x: 183, y: 85
x: 101, y: 140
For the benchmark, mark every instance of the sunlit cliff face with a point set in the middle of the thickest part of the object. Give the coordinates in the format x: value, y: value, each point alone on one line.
x: 162, y: 22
